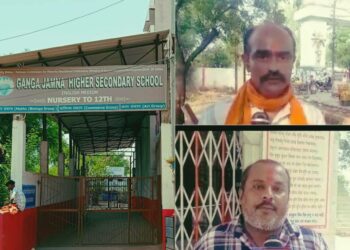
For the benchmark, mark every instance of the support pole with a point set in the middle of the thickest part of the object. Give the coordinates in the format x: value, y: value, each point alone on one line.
x: 18, y: 148
x: 333, y: 40
x: 60, y: 151
x: 71, y: 156
x: 44, y: 149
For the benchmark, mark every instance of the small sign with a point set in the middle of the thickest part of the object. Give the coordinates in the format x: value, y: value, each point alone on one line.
x: 169, y: 232
x: 30, y: 194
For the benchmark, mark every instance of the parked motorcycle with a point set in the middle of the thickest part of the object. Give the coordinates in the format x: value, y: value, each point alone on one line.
x: 324, y: 85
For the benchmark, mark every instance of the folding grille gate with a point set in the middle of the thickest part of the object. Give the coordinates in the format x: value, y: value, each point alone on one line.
x: 101, y: 210
x: 207, y: 164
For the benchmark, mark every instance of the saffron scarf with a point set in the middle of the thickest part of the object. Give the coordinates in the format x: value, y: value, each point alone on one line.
x: 240, y: 110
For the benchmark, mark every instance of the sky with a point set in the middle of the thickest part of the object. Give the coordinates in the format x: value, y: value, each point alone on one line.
x: 125, y: 17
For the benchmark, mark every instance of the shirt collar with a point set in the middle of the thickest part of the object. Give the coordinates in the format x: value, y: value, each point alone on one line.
x: 281, y: 114
x: 288, y: 231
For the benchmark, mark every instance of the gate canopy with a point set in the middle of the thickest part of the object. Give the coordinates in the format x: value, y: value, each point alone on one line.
x: 145, y: 48
x: 103, y: 131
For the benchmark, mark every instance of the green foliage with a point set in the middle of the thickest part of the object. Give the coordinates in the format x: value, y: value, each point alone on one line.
x: 200, y: 22
x: 343, y: 186
x: 33, y: 139
x: 33, y: 151
x: 343, y: 47
x: 216, y: 57
x: 4, y: 177
x: 52, y: 138
x: 272, y: 9
x: 97, y: 164
x: 5, y: 128
x: 344, y: 150
x: 5, y: 142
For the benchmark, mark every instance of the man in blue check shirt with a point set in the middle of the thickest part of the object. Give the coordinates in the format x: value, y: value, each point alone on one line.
x: 264, y: 197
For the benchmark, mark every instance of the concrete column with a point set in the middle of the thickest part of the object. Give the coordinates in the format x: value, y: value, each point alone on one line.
x: 83, y: 167
x: 329, y: 233
x: 18, y: 149
x: 44, y: 157
x: 44, y: 148
x: 60, y: 164
x: 251, y: 146
x: 71, y: 157
x: 77, y: 163
x: 167, y: 175
x: 168, y: 185
x: 71, y: 167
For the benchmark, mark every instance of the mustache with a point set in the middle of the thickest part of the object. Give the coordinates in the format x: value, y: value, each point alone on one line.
x: 266, y: 203
x: 273, y: 75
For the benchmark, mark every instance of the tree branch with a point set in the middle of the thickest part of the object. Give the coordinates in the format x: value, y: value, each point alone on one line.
x: 214, y: 33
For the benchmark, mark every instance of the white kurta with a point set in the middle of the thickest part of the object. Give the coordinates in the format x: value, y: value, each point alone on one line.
x: 18, y: 197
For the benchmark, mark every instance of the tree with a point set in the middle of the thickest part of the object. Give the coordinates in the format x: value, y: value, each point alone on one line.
x: 4, y: 177
x: 201, y: 22
x: 33, y: 139
x: 97, y: 164
x: 344, y: 163
x: 344, y: 150
x: 342, y: 48
x: 342, y: 51
x: 216, y: 57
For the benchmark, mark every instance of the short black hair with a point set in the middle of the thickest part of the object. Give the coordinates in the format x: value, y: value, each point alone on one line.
x: 248, y: 33
x: 245, y: 173
x: 10, y: 182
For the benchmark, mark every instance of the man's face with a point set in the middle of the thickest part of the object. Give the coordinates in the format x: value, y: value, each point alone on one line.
x: 264, y: 200
x: 270, y: 60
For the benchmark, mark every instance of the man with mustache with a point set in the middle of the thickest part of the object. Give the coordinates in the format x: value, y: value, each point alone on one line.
x: 264, y: 197
x: 267, y: 97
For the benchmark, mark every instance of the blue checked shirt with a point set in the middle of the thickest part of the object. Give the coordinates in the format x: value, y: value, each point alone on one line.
x: 230, y: 236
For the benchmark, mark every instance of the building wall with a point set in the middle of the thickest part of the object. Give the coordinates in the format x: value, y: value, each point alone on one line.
x: 160, y: 16
x: 252, y: 142
x: 168, y: 199
x: 154, y: 138
x: 164, y: 18
x: 309, y: 30
x: 316, y: 16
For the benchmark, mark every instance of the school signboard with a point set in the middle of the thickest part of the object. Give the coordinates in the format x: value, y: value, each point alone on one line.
x: 83, y: 89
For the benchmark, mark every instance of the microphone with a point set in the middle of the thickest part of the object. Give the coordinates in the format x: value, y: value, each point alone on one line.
x: 273, y: 242
x: 260, y: 118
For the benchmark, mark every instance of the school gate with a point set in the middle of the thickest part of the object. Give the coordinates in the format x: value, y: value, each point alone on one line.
x: 107, y: 95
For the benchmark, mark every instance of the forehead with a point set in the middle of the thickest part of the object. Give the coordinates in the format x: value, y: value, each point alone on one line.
x: 272, y: 38
x: 267, y: 172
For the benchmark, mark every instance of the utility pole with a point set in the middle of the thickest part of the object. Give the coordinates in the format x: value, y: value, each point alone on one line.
x: 333, y: 38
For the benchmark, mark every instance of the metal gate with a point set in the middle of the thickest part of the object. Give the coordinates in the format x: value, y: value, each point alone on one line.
x: 207, y: 164
x: 60, y: 210
x: 99, y: 210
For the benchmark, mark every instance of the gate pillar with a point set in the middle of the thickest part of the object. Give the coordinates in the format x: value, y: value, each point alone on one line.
x: 18, y: 148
